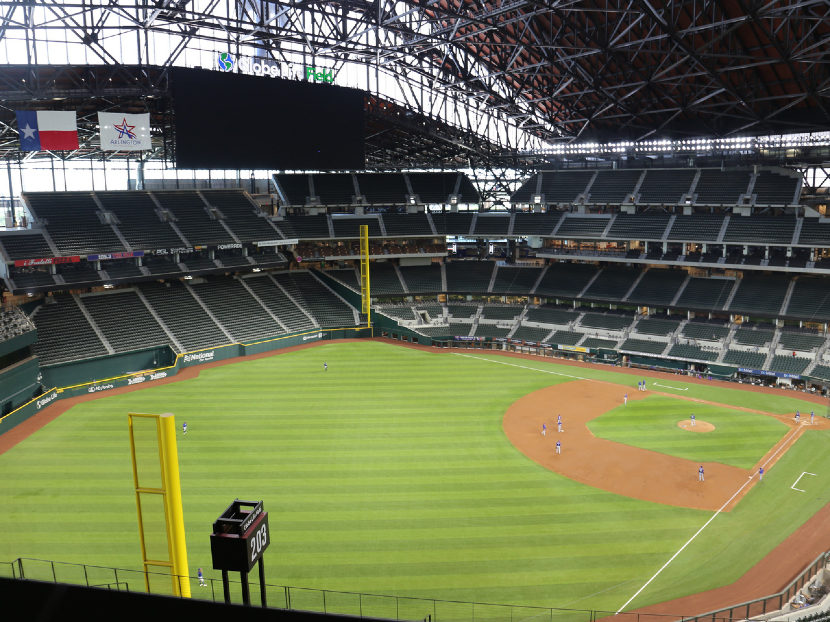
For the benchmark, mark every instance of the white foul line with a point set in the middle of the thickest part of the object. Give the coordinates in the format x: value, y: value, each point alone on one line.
x: 799, y: 479
x: 544, y: 371
x: 657, y: 384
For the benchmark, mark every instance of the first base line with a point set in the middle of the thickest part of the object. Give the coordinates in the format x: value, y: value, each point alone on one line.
x: 665, y: 386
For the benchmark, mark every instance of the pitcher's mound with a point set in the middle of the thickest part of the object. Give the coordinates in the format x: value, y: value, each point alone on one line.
x: 700, y: 426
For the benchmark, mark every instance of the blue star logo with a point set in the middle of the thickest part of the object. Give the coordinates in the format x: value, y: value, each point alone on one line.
x: 125, y: 129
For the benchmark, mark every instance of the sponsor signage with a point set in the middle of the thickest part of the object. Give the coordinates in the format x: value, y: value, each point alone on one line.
x: 289, y: 242
x: 100, y: 387
x: 171, y: 251
x: 466, y: 338
x: 124, y: 255
x: 143, y: 378
x: 45, y: 400
x: 46, y: 261
x: 314, y: 75
x: 222, y: 247
x: 317, y: 336
x: 572, y: 348
x: 229, y: 63
x: 763, y: 372
x: 201, y: 357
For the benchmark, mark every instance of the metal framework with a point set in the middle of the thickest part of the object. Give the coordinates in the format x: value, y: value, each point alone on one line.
x: 482, y: 79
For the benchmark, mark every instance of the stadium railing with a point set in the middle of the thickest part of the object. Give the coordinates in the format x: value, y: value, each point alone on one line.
x: 377, y: 605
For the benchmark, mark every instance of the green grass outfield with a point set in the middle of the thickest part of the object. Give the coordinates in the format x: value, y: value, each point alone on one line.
x: 390, y: 474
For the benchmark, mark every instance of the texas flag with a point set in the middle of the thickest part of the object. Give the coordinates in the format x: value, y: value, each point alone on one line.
x: 47, y: 130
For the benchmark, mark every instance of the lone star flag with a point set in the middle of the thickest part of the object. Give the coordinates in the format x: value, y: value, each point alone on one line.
x: 47, y: 130
x: 124, y: 132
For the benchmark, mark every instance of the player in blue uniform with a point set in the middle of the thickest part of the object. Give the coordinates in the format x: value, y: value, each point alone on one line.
x: 797, y: 416
x: 558, y: 447
x: 625, y: 399
x: 201, y: 578
x: 544, y: 429
x: 700, y: 473
x: 812, y: 417
x: 184, y: 428
x: 692, y: 417
x: 325, y: 366
x: 761, y: 473
x: 559, y: 422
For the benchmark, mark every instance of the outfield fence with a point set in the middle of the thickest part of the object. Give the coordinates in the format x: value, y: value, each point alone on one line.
x: 404, y: 608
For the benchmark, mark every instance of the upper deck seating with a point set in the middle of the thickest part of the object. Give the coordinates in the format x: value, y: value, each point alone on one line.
x: 638, y: 227
x: 121, y: 269
x: 606, y: 321
x: 596, y: 343
x: 384, y: 279
x: 29, y: 246
x: 772, y: 188
x: 334, y: 188
x: 469, y: 276
x: 577, y: 227
x: 703, y: 293
x: 658, y: 287
x: 81, y: 273
x: 492, y: 331
x: 643, y: 345
x: 530, y: 333
x: 565, y: 337
x: 535, y: 224
x: 613, y: 186
x: 73, y: 222
x: 193, y: 218
x: 612, y: 283
x: 422, y: 279
x: 526, y: 192
x: 810, y: 299
x: 433, y: 188
x: 689, y: 351
x: 750, y: 336
x: 514, y: 280
x: 760, y: 294
x: 744, y: 358
x: 241, y: 215
x: 382, y: 188
x: 305, y: 227
x: 406, y: 224
x: 453, y: 223
x: 705, y: 331
x: 461, y: 311
x: 760, y: 229
x: 564, y: 186
x: 294, y: 187
x: 500, y: 312
x: 565, y: 279
x: 802, y: 342
x: 138, y: 220
x: 349, y: 226
x: 665, y: 186
x: 696, y: 228
x: 491, y: 225
x: 717, y: 187
x: 815, y: 231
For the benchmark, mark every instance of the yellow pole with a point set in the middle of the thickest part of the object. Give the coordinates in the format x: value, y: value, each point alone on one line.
x: 365, y: 290
x: 173, y: 500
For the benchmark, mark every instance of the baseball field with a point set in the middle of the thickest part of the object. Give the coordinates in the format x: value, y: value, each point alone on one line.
x: 423, y: 473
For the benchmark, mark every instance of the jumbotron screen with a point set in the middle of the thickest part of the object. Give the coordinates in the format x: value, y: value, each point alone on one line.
x: 231, y: 121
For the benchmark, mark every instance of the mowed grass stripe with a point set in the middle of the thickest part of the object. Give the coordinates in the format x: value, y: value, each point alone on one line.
x: 389, y: 473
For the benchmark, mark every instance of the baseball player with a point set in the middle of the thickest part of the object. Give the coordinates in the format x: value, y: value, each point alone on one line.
x: 184, y: 427
x: 558, y: 447
x: 812, y: 417
x: 700, y: 473
x: 325, y: 366
x: 797, y: 416
x: 201, y: 578
x: 644, y: 385
x: 559, y: 422
x: 544, y: 429
x: 692, y: 417
x: 761, y: 473
x: 625, y: 399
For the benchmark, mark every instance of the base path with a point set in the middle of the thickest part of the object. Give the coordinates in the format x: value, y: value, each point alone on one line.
x: 621, y: 469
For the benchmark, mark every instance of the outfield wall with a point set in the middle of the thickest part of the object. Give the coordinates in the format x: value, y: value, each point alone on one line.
x: 105, y: 373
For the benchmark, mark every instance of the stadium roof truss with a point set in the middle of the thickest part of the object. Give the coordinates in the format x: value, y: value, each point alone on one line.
x: 476, y: 81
